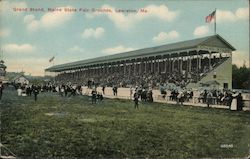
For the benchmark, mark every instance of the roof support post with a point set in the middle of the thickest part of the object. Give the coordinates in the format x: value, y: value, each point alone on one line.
x: 200, y: 58
x: 124, y: 68
x: 140, y: 66
x: 197, y: 60
x: 129, y: 66
x: 165, y: 65
x: 152, y: 65
x: 101, y: 69
x: 111, y: 68
x: 173, y: 62
x: 107, y: 68
x: 119, y: 67
x: 169, y: 64
x: 91, y: 70
x: 135, y: 67
x: 197, y: 65
x: 145, y: 65
x: 98, y: 69
x: 178, y: 61
x: 220, y: 56
x: 104, y: 68
x: 158, y: 69
x: 155, y: 64
x: 181, y: 61
x: 209, y: 62
x: 87, y: 71
x: 190, y: 63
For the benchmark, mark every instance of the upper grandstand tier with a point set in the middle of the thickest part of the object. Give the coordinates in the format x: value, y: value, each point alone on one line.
x: 204, y: 45
x: 185, y: 64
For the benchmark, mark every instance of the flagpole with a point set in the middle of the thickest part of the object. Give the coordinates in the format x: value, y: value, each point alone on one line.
x: 215, y: 22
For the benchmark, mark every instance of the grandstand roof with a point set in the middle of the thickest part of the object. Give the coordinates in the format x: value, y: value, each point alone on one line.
x: 167, y: 49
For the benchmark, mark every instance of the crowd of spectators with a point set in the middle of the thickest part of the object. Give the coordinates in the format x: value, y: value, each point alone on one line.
x: 144, y: 94
x: 70, y: 84
x: 209, y: 97
x: 148, y: 79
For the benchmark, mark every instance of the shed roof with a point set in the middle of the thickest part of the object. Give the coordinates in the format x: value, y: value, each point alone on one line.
x: 19, y: 76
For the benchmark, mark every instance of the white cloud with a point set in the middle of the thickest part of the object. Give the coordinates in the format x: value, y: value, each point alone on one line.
x: 229, y: 16
x: 95, y: 33
x: 6, y: 7
x: 239, y: 57
x: 15, y: 48
x: 242, y: 13
x: 76, y: 49
x: 201, y: 30
x: 117, y: 49
x: 48, y: 20
x: 4, y: 32
x: 125, y: 22
x: 163, y: 36
x: 28, y: 19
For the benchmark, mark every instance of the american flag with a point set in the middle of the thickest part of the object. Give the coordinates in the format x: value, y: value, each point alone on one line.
x: 52, y: 59
x: 210, y: 17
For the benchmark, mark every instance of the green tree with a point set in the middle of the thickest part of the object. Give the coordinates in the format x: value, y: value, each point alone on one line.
x: 241, y: 77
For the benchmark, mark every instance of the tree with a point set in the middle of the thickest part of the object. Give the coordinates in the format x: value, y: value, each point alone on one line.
x: 241, y: 77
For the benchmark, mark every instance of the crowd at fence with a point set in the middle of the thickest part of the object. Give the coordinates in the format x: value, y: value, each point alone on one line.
x: 232, y: 99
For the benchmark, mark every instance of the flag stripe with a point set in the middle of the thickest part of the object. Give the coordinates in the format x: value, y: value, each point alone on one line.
x: 50, y: 60
x: 210, y: 17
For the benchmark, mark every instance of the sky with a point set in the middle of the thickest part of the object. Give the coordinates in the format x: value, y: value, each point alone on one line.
x: 34, y: 31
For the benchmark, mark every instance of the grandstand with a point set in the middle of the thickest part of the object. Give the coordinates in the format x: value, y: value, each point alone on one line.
x: 190, y: 64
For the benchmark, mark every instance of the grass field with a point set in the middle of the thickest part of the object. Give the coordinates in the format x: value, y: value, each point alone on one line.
x: 59, y: 127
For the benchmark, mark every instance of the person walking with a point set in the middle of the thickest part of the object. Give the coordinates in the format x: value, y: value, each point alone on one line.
x: 1, y: 90
x: 240, y: 102
x: 131, y: 92
x: 205, y: 96
x: 36, y: 92
x: 180, y: 98
x: 209, y: 99
x: 103, y: 90
x: 115, y: 90
x: 136, y: 100
x: 233, y: 105
x: 94, y: 94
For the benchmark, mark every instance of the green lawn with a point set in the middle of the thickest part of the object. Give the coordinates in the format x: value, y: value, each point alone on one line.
x: 59, y: 127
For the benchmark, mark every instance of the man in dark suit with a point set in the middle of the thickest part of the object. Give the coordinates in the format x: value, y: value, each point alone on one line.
x: 94, y: 95
x: 36, y: 92
x: 1, y: 89
x: 136, y: 100
x: 239, y: 102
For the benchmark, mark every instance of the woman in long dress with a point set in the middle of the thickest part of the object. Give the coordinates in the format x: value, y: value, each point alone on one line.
x: 234, y: 102
x: 19, y: 91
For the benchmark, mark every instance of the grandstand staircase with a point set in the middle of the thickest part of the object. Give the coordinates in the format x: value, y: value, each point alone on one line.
x: 221, y: 73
